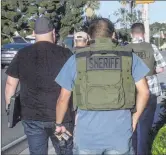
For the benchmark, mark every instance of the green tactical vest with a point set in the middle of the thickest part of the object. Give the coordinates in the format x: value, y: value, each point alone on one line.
x: 146, y: 53
x: 104, y: 80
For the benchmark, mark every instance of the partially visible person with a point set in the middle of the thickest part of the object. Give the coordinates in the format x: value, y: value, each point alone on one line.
x: 154, y: 60
x: 81, y: 39
x: 123, y: 39
x: 103, y: 77
x: 115, y: 38
x: 36, y: 67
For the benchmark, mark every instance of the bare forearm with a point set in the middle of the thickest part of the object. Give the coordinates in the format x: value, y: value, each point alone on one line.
x: 11, y: 85
x: 141, y: 103
x: 61, y: 109
x: 62, y: 105
x: 9, y: 92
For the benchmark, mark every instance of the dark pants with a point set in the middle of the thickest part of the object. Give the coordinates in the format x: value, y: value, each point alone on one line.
x: 141, y: 135
x: 38, y: 133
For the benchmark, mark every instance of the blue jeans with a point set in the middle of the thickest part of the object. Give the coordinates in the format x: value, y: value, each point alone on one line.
x: 108, y: 151
x: 141, y: 135
x: 38, y: 133
x: 100, y: 152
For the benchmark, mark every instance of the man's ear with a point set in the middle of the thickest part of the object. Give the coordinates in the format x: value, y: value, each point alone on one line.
x: 131, y: 35
x: 74, y: 43
x: 87, y: 40
x: 54, y: 31
x: 54, y: 35
x: 33, y: 33
x: 113, y: 35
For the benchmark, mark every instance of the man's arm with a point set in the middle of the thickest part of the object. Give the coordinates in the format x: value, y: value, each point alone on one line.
x: 160, y: 62
x: 139, y: 71
x: 12, y: 78
x: 65, y: 79
x: 62, y: 105
x: 11, y: 85
x: 141, y: 100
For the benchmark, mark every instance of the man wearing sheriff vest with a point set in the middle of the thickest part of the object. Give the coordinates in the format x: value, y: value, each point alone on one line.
x: 155, y: 62
x: 104, y: 79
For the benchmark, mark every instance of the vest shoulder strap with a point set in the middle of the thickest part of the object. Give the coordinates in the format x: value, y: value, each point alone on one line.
x: 90, y: 53
x: 80, y: 50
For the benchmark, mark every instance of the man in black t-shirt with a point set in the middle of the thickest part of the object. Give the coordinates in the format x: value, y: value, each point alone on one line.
x: 36, y: 68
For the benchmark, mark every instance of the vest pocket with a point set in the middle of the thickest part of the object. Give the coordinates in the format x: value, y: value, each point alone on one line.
x: 107, y: 94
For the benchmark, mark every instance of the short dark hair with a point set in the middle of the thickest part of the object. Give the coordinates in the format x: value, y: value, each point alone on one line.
x: 101, y: 27
x: 138, y: 28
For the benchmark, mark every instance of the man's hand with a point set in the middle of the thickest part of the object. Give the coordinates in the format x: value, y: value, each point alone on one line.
x: 159, y: 70
x: 134, y: 121
x: 62, y: 132
x: 60, y: 129
x: 7, y: 108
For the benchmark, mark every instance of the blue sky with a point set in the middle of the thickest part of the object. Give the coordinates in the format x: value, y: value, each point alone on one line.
x: 157, y: 10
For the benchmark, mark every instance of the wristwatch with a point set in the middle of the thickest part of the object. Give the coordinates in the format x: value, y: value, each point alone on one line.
x: 58, y: 125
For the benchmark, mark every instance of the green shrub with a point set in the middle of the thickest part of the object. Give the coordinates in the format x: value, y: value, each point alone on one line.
x: 5, y: 41
x: 159, y: 143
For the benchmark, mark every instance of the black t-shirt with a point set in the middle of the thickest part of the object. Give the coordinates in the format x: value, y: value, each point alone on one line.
x: 36, y: 67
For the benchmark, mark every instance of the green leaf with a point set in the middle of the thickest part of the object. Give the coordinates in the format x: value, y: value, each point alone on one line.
x: 42, y: 10
x: 6, y: 30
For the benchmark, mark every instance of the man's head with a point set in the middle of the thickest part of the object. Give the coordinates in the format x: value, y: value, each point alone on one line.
x: 44, y: 30
x: 137, y: 30
x: 101, y: 27
x: 81, y: 39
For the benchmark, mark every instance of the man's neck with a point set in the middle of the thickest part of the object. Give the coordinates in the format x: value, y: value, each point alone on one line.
x: 81, y: 46
x: 47, y: 40
x: 138, y: 39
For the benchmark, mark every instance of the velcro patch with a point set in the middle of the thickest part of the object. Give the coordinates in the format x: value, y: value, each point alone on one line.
x: 104, y: 63
x: 142, y: 54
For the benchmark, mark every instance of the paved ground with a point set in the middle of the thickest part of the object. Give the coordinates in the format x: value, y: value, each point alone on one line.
x: 9, y: 135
